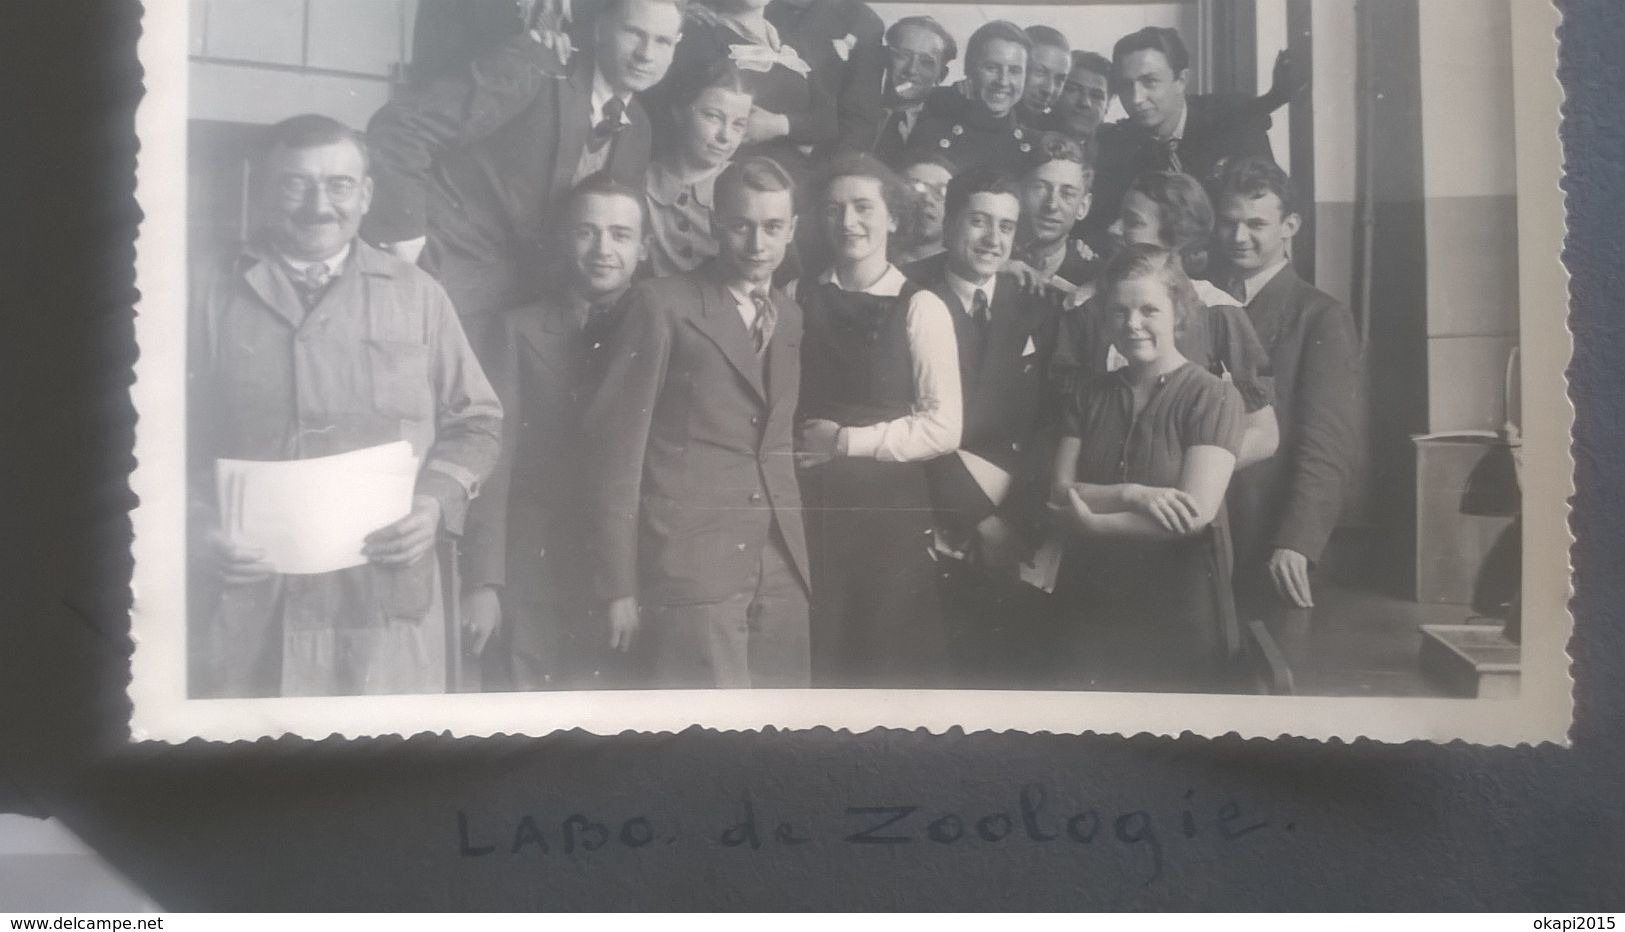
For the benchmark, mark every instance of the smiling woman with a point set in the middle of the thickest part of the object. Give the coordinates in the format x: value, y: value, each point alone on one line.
x: 880, y: 395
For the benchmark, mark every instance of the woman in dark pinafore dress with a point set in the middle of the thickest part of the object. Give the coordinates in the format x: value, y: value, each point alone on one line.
x: 880, y: 395
x: 1145, y: 457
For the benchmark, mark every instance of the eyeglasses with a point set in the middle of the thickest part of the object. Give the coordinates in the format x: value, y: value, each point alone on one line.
x: 940, y: 191
x: 300, y: 187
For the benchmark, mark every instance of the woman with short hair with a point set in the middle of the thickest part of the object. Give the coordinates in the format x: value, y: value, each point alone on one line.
x: 1146, y: 454
x: 880, y: 395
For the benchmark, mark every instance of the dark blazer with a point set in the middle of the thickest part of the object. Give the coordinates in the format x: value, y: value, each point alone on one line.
x: 1004, y: 393
x: 1292, y: 500
x: 853, y: 81
x: 966, y: 134
x: 691, y: 445
x: 478, y: 161
x: 1217, y: 127
x: 526, y: 530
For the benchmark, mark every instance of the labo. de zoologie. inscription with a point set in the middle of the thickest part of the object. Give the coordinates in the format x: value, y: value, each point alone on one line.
x: 1032, y: 820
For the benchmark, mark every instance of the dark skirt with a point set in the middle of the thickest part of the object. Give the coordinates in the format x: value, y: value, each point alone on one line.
x: 876, y: 619
x: 1150, y: 617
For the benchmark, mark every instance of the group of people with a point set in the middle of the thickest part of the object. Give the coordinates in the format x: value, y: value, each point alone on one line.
x: 740, y: 348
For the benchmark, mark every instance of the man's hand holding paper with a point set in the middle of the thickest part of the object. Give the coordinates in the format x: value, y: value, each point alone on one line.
x: 323, y: 514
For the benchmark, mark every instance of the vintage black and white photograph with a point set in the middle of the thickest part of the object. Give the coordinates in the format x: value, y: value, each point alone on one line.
x: 637, y: 364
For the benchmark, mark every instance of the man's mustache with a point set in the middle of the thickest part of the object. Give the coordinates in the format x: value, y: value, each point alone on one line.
x: 311, y: 218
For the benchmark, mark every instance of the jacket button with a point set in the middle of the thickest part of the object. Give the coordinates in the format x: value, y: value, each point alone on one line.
x: 740, y: 547
x: 756, y: 498
x: 755, y: 421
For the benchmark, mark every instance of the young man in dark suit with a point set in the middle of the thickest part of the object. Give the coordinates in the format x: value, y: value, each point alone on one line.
x: 1282, y: 510
x: 974, y: 124
x: 471, y: 167
x: 524, y: 550
x: 918, y: 53
x: 987, y: 495
x: 695, y: 510
x: 1166, y: 128
x: 1054, y: 197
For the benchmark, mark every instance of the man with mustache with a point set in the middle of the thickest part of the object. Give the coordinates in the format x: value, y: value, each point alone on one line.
x: 987, y: 495
x: 695, y: 512
x: 311, y: 343
x: 918, y: 53
x: 471, y: 167
x: 525, y: 555
x: 974, y: 125
x: 1167, y: 129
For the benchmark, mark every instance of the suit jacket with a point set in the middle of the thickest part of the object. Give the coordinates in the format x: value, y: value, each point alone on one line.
x: 1004, y: 379
x: 1217, y: 127
x: 478, y: 161
x: 691, y: 445
x: 966, y: 134
x: 850, y: 74
x: 526, y: 531
x: 1292, y: 500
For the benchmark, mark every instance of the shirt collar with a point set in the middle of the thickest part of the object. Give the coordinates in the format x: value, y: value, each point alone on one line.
x: 742, y: 297
x: 334, y: 263
x: 1255, y: 283
x: 966, y: 291
x: 601, y: 93
x: 664, y: 187
x: 1184, y: 117
x: 888, y: 285
x: 1179, y: 128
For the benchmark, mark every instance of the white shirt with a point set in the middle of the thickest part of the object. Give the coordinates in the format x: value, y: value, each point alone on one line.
x: 1253, y: 284
x: 745, y: 305
x: 593, y: 160
x: 1179, y: 128
x: 933, y: 428
x: 601, y: 93
x: 966, y: 291
x: 334, y: 263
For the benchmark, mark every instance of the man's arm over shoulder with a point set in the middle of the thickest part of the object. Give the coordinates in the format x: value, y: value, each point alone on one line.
x: 468, y: 416
x: 615, y: 432
x: 408, y: 134
x: 1323, y: 441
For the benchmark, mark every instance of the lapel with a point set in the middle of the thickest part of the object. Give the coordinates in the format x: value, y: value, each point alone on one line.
x: 1269, y: 308
x: 1007, y: 333
x: 272, y: 286
x: 783, y: 356
x: 719, y: 320
x: 624, y: 148
x: 572, y: 112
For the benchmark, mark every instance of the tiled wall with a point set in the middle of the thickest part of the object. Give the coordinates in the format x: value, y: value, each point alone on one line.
x: 257, y: 61
x: 1471, y: 210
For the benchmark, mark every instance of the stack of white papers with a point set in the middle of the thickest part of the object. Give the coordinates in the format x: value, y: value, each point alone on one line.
x: 312, y: 515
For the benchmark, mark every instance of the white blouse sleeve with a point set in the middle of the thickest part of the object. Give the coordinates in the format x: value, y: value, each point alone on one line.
x: 934, y: 426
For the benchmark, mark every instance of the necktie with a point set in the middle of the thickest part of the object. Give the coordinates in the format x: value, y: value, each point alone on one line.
x: 610, y: 124
x: 761, y: 329
x: 981, y: 317
x: 600, y: 321
x: 311, y: 281
x: 1168, y: 155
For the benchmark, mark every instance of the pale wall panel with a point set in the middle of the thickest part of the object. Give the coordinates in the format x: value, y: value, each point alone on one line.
x: 1472, y: 265
x: 259, y: 95
x: 1466, y: 382
x: 1468, y: 137
x: 356, y: 35
x: 269, y: 31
